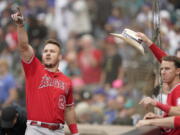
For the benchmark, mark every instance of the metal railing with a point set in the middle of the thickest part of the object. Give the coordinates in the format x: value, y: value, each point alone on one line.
x: 146, y: 130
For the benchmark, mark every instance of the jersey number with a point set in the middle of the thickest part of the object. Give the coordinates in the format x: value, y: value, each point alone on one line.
x: 62, y: 102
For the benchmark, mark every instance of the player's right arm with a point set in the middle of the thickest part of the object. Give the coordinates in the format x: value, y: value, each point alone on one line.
x: 151, y: 115
x: 167, y: 122
x: 26, y: 51
x: 158, y: 53
x: 174, y: 111
x: 170, y: 110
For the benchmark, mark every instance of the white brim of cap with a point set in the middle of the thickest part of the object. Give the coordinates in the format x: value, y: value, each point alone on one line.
x: 130, y: 41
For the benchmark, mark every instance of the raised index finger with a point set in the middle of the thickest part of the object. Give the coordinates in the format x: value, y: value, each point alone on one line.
x: 19, y: 11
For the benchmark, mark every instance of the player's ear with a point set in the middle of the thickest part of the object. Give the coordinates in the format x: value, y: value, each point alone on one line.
x: 178, y: 71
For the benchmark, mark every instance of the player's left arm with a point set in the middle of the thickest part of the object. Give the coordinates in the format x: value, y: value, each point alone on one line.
x: 167, y: 122
x: 70, y: 118
x: 149, y: 101
x: 70, y: 115
x: 170, y: 110
x: 174, y: 111
x: 158, y: 52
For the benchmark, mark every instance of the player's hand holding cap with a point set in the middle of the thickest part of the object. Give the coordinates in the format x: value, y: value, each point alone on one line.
x: 18, y: 17
x: 130, y: 37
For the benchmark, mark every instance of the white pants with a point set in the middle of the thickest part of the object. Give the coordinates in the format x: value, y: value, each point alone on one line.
x: 36, y: 130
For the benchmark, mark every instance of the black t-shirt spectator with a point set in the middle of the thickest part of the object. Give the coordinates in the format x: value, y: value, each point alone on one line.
x: 111, y: 67
x: 20, y: 125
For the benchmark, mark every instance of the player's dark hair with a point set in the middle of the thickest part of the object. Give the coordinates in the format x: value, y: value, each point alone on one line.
x: 55, y: 42
x: 174, y: 59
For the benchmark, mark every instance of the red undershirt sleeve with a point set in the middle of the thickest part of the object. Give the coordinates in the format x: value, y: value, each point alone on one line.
x: 177, y: 122
x: 163, y: 107
x: 158, y: 53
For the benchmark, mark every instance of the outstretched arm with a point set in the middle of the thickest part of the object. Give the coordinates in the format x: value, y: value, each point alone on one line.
x: 167, y: 122
x: 170, y: 110
x: 174, y: 111
x: 26, y: 51
x: 149, y: 101
x: 158, y: 53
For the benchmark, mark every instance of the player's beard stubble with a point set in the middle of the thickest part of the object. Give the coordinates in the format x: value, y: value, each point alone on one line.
x: 51, y: 65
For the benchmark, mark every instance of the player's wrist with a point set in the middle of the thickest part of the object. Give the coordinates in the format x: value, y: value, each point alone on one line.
x: 73, y: 128
x: 149, y: 43
x: 158, y: 104
x: 163, y: 107
x: 155, y: 103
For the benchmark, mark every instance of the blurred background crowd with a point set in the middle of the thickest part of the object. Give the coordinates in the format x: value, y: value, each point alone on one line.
x: 109, y: 77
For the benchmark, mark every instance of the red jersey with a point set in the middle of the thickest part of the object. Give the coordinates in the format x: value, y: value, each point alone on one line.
x: 177, y: 122
x: 91, y: 74
x: 47, y: 93
x: 172, y: 132
x: 173, y: 97
x: 176, y: 130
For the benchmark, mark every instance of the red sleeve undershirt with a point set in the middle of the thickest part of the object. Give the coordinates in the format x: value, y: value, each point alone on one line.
x: 177, y: 122
x: 158, y: 53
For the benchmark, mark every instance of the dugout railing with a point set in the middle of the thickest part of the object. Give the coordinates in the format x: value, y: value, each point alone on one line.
x: 87, y: 129
x: 146, y: 130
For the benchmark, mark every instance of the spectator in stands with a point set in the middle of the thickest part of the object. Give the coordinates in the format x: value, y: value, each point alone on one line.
x: 13, y: 121
x: 8, y: 90
x: 144, y: 17
x: 5, y: 16
x: 11, y: 37
x: 116, y: 20
x: 111, y: 112
x: 177, y: 53
x: 3, y: 44
x: 72, y: 68
x: 125, y: 110
x: 90, y: 60
x: 36, y: 33
x: 112, y: 63
x: 81, y: 17
x: 83, y: 112
x: 63, y: 19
